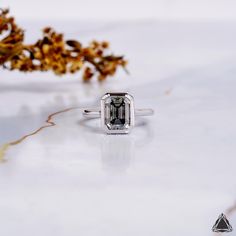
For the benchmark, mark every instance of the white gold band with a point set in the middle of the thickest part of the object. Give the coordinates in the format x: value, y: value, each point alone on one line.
x: 96, y: 112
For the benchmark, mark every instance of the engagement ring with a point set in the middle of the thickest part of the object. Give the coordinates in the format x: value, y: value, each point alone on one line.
x: 117, y: 113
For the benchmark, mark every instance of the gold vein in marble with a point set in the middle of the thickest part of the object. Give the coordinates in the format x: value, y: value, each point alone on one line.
x: 49, y: 123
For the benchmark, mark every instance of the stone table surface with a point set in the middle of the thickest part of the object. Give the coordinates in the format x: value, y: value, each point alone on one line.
x: 173, y: 175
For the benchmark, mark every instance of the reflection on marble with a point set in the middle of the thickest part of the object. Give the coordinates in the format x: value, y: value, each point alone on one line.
x: 117, y: 152
x: 173, y: 175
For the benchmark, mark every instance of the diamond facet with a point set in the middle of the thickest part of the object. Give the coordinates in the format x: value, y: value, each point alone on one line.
x: 117, y: 112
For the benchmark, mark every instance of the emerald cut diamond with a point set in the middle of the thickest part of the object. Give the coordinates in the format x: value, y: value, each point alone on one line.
x: 117, y: 113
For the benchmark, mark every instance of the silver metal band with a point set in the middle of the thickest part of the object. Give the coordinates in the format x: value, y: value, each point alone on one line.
x: 144, y: 112
x: 96, y: 112
x: 92, y: 113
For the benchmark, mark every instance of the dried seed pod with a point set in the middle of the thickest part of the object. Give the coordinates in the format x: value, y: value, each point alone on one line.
x: 75, y: 45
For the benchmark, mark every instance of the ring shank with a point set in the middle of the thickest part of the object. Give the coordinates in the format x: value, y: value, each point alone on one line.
x: 96, y: 112
x: 92, y: 113
x: 144, y: 112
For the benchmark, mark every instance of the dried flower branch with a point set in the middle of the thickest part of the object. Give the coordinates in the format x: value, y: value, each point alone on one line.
x: 53, y: 53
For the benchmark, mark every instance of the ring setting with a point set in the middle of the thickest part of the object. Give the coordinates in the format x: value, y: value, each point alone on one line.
x: 117, y: 113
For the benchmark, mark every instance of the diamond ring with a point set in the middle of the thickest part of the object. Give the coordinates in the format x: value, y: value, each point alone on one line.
x: 117, y: 113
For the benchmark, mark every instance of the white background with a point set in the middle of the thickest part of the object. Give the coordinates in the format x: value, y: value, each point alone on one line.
x: 123, y: 9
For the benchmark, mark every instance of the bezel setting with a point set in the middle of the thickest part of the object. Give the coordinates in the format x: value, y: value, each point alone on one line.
x: 117, y: 113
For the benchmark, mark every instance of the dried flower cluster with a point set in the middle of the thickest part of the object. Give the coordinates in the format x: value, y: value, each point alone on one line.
x: 52, y: 52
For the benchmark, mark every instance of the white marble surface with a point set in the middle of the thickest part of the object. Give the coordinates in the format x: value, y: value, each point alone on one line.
x: 173, y: 175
